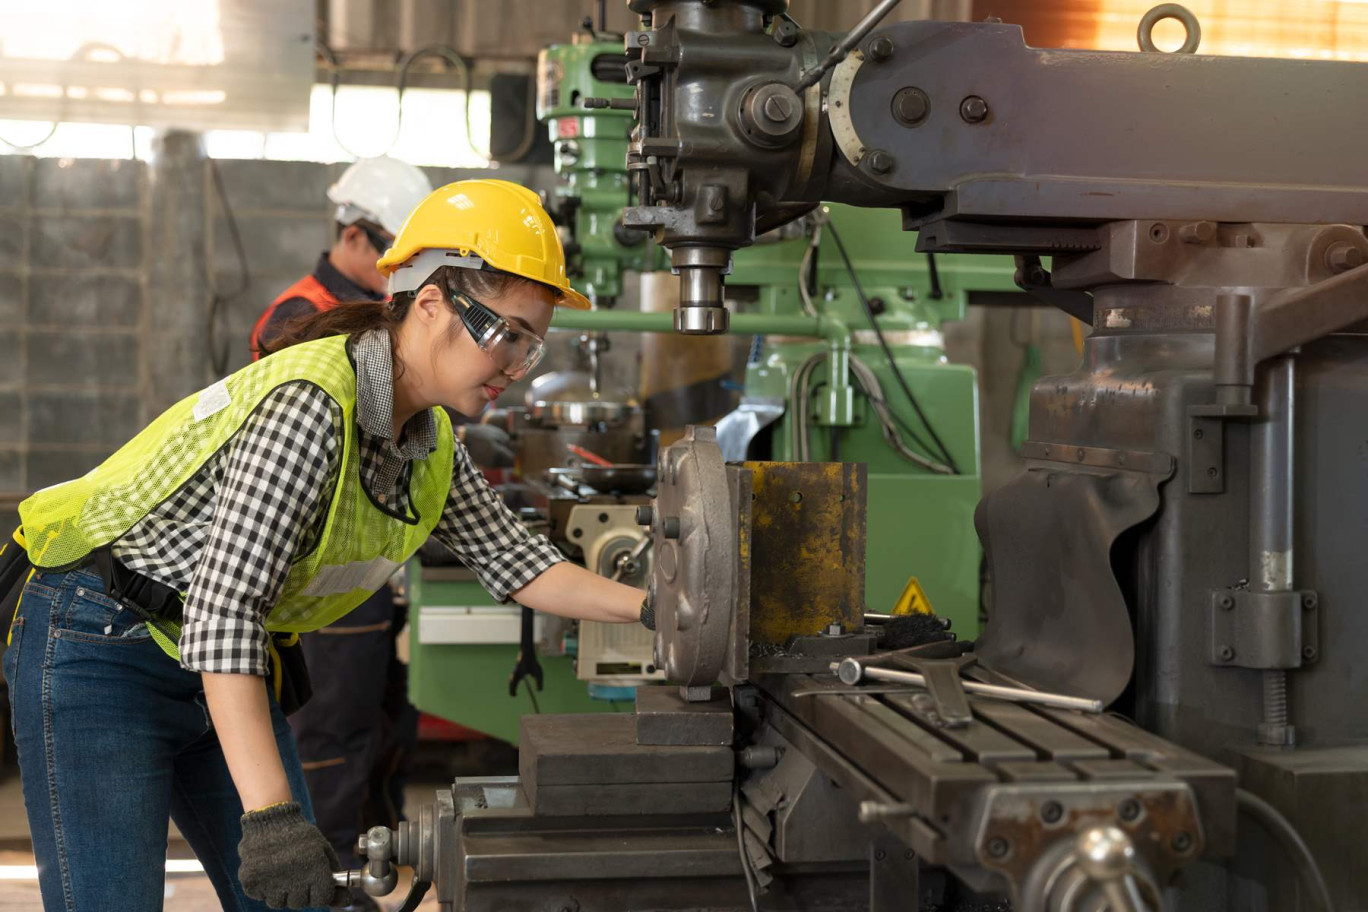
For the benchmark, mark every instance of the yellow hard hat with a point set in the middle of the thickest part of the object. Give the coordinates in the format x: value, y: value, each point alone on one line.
x: 472, y: 222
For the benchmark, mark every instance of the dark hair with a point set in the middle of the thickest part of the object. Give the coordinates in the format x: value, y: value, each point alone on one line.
x: 352, y: 317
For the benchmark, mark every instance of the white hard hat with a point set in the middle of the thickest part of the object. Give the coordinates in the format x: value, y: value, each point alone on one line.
x: 382, y: 190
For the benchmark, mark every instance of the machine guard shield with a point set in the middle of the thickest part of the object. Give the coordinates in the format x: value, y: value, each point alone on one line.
x: 1059, y: 620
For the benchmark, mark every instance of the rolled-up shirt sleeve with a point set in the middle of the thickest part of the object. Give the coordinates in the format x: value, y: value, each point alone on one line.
x: 487, y: 536
x: 277, y: 477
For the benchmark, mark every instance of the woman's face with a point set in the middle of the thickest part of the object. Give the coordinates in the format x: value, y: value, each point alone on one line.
x: 448, y: 367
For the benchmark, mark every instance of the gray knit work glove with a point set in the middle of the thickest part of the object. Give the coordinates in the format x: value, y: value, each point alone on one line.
x: 285, y: 861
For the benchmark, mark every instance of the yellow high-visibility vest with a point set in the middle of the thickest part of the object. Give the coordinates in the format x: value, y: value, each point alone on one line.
x: 360, y: 547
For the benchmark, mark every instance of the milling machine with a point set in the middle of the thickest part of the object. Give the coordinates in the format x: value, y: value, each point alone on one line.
x: 1179, y: 547
x: 802, y: 280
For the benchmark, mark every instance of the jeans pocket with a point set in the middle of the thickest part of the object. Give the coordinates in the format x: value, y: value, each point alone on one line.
x: 93, y: 615
x: 9, y: 664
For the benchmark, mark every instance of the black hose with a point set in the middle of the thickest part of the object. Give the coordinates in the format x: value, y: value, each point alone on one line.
x: 219, y: 353
x: 888, y: 352
x: 1281, y: 829
x: 741, y: 847
x: 415, y: 896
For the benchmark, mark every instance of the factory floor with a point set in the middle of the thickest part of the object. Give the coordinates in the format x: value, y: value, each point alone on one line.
x: 185, y: 891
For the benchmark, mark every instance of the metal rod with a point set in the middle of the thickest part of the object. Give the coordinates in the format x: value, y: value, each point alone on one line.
x: 1270, y: 524
x: 822, y: 327
x: 837, y: 54
x: 848, y: 669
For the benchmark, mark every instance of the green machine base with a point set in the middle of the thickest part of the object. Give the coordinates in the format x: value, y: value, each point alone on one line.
x: 467, y: 683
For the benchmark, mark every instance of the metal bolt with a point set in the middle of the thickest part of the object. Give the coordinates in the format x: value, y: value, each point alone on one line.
x: 1159, y: 232
x: 997, y: 847
x: 1198, y: 434
x: 777, y: 108
x: 1212, y: 471
x: 1343, y: 256
x: 1309, y: 601
x: 880, y: 162
x: 1182, y: 841
x: 1052, y: 812
x: 1227, y: 602
x: 974, y: 109
x: 785, y: 33
x: 1081, y: 454
x: 1308, y: 652
x: 880, y: 854
x: 910, y: 106
x: 671, y: 527
x: 1225, y: 653
x: 1128, y: 810
x: 835, y: 630
x: 644, y: 514
x: 908, y: 855
x: 880, y: 49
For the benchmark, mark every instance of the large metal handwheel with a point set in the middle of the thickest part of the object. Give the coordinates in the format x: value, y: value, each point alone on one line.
x: 694, y: 530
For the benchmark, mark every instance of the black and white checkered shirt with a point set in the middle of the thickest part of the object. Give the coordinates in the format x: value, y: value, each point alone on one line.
x: 229, y: 536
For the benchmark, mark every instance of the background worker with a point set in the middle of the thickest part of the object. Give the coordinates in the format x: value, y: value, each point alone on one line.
x: 113, y: 733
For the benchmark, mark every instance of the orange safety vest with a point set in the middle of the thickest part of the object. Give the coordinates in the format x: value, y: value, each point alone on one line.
x: 308, y: 288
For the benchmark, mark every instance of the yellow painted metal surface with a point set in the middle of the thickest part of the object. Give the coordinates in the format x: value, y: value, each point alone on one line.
x: 807, y: 548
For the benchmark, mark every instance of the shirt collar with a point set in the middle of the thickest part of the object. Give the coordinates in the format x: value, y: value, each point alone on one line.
x: 338, y: 285
x: 375, y: 399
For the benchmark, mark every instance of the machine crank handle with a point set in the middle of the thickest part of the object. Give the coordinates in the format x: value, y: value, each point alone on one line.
x: 380, y: 876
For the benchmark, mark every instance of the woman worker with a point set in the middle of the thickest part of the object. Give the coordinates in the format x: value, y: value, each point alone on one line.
x: 145, y: 663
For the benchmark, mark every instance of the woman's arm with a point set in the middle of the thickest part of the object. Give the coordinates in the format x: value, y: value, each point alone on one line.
x: 571, y: 591
x: 242, y: 716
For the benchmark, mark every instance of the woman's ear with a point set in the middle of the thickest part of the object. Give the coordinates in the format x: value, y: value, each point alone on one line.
x: 428, y: 305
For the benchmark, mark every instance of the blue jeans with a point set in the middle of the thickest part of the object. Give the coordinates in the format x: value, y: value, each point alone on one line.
x: 114, y: 738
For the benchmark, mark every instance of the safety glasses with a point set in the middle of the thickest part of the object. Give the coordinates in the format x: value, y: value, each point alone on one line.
x: 514, y: 349
x: 378, y: 239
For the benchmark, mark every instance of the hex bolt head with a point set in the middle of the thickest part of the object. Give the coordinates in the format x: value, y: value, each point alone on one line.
x: 1343, y: 256
x: 911, y: 106
x: 880, y: 162
x: 997, y: 847
x: 671, y: 527
x: 974, y: 109
x: 644, y: 514
x: 1052, y: 812
x: 880, y: 49
x: 1128, y: 810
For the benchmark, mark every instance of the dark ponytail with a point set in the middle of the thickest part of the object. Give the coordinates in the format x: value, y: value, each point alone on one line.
x: 353, y: 317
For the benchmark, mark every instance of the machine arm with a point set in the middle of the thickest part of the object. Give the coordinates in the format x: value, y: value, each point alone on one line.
x: 985, y: 144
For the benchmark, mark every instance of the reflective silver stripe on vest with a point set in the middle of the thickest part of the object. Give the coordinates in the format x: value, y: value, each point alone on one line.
x: 342, y: 578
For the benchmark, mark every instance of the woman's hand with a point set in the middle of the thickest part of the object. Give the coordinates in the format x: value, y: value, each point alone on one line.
x: 571, y: 591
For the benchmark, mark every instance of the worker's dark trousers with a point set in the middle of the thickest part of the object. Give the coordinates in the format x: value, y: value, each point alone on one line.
x: 356, y: 734
x: 114, y: 737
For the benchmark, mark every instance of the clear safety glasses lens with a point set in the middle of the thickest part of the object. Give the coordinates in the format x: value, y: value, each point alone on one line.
x: 512, y: 349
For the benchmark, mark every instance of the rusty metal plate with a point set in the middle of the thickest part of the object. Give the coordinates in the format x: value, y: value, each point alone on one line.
x: 807, y: 548
x: 696, y: 547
